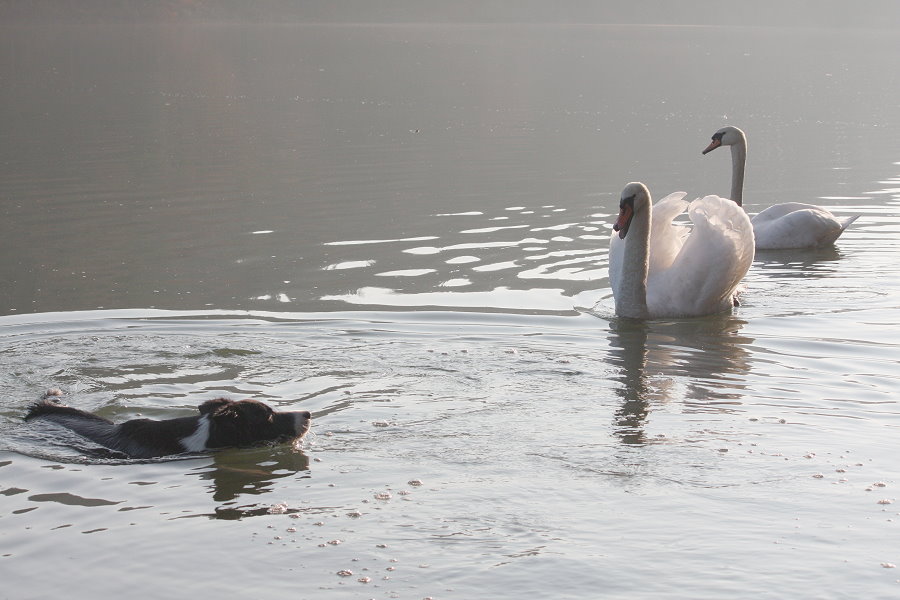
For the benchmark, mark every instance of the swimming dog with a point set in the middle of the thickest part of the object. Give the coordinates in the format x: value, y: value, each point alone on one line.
x: 222, y: 423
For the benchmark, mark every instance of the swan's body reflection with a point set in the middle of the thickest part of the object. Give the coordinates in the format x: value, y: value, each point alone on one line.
x: 694, y: 361
x: 804, y: 262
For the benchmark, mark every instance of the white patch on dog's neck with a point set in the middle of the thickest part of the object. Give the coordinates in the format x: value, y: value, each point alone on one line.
x: 196, y: 442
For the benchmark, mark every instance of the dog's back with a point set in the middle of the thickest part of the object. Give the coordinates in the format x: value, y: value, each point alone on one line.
x: 138, y: 438
x: 79, y: 421
x: 90, y: 426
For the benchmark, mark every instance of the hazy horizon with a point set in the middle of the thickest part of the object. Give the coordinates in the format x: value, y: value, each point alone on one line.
x: 812, y: 13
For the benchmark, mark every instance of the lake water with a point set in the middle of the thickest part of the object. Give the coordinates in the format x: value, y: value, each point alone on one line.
x: 404, y: 229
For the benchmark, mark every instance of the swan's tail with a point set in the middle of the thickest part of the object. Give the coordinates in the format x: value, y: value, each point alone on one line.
x: 846, y: 223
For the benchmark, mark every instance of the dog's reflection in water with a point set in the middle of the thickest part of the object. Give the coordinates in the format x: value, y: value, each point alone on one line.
x: 236, y: 473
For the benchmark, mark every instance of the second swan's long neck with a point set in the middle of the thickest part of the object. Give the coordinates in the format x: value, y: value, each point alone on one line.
x: 738, y: 158
x: 631, y: 301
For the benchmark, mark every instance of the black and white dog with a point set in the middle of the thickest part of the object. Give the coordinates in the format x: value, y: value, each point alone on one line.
x: 222, y: 423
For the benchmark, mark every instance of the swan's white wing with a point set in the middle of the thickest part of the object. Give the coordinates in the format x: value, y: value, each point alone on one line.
x: 796, y: 225
x: 715, y: 257
x: 666, y: 237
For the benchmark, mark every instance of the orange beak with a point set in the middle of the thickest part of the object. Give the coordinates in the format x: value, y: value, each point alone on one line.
x: 624, y: 220
x: 713, y: 145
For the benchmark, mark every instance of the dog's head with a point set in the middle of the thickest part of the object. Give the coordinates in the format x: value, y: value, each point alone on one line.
x: 249, y: 422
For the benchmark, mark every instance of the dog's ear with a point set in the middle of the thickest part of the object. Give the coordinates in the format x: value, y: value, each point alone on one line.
x: 211, y: 406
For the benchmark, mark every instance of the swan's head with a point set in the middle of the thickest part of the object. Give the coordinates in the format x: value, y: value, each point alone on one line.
x: 635, y: 197
x: 727, y: 136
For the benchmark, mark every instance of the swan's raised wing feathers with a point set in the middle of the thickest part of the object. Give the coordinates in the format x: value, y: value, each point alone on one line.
x: 667, y: 237
x: 706, y: 272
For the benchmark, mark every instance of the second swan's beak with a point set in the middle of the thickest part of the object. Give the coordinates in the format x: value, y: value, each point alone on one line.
x: 715, y: 143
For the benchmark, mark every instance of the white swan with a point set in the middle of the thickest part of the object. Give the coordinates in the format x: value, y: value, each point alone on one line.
x: 782, y: 226
x: 658, y: 269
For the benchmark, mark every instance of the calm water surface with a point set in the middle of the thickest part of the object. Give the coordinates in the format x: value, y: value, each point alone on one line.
x: 403, y: 228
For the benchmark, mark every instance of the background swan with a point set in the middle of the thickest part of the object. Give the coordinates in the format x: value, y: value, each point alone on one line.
x: 658, y: 269
x: 788, y: 225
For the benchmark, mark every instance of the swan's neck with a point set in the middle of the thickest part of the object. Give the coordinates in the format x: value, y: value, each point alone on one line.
x: 631, y: 301
x: 738, y: 158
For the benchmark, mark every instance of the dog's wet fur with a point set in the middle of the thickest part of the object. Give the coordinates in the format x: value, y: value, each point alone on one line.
x: 222, y: 423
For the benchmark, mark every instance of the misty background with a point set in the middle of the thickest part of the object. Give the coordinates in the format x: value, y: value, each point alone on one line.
x: 813, y: 13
